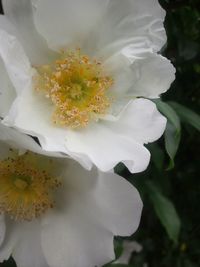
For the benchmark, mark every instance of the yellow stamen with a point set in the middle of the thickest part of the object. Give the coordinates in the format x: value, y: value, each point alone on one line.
x: 77, y: 88
x: 26, y: 187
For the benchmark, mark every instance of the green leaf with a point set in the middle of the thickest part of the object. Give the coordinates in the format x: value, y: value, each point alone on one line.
x: 172, y: 141
x: 169, y: 113
x: 186, y: 115
x: 165, y: 211
x: 157, y: 155
x: 118, y: 265
x: 118, y: 244
x: 172, y: 132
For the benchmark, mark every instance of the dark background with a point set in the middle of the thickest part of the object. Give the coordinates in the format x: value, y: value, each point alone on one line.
x: 170, y: 227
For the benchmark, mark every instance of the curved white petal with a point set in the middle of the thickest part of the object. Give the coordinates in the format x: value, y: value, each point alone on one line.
x: 7, y: 92
x: 36, y: 121
x: 137, y: 22
x: 4, y: 150
x: 6, y: 25
x: 72, y: 20
x: 20, y: 14
x: 12, y: 138
x: 106, y: 148
x: 97, y: 144
x: 152, y: 76
x: 28, y: 251
x: 119, y: 68
x: 108, y: 142
x: 92, y: 208
x: 15, y: 60
x: 2, y: 229
x: 10, y: 240
x: 140, y: 121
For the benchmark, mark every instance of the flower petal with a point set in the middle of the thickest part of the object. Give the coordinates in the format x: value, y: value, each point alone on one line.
x: 108, y: 142
x: 94, y: 207
x: 52, y: 138
x: 119, y: 68
x: 72, y: 20
x: 11, y: 138
x: 20, y: 14
x: 153, y: 76
x: 4, y: 152
x: 10, y: 240
x: 138, y: 22
x: 97, y: 144
x: 106, y: 148
x: 140, y: 121
x: 2, y: 229
x: 15, y: 60
x: 28, y: 251
x: 15, y: 139
x: 7, y: 92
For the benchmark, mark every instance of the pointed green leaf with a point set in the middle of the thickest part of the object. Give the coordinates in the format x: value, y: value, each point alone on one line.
x: 165, y: 211
x: 186, y: 115
x: 172, y: 141
x: 169, y: 113
x: 172, y: 132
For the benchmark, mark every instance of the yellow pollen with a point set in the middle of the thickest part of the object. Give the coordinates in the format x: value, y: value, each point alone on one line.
x: 20, y: 184
x: 77, y: 87
x: 26, y: 188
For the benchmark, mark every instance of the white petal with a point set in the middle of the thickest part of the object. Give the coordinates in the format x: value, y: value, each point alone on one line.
x: 6, y: 25
x: 119, y: 68
x: 93, y: 209
x: 72, y: 20
x: 28, y: 251
x: 128, y: 22
x: 11, y: 138
x: 31, y: 114
x: 10, y: 240
x: 108, y: 142
x: 15, y: 139
x: 7, y: 92
x: 2, y: 229
x: 106, y: 147
x: 153, y: 76
x: 140, y: 121
x: 20, y: 14
x: 128, y: 248
x: 5, y: 149
x: 15, y: 60
x: 98, y: 143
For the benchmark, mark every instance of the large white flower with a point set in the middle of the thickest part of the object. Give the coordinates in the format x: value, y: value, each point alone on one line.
x: 56, y: 213
x: 73, y: 73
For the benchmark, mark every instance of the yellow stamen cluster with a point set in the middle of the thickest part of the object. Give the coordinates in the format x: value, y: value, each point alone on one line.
x: 77, y: 88
x: 25, y: 188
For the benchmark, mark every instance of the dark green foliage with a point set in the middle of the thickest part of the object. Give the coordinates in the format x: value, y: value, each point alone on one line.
x: 9, y: 263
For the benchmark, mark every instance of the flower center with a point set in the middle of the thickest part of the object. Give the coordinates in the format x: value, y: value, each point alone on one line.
x: 25, y: 186
x: 77, y: 88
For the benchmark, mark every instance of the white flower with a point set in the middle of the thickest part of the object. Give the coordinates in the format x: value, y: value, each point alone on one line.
x: 101, y: 57
x: 55, y: 213
x: 128, y: 248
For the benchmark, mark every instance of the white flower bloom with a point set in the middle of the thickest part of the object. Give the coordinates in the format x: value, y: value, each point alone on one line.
x: 128, y: 248
x: 73, y: 73
x: 55, y: 213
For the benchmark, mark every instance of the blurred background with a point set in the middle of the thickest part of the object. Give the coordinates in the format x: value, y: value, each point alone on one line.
x: 169, y: 233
